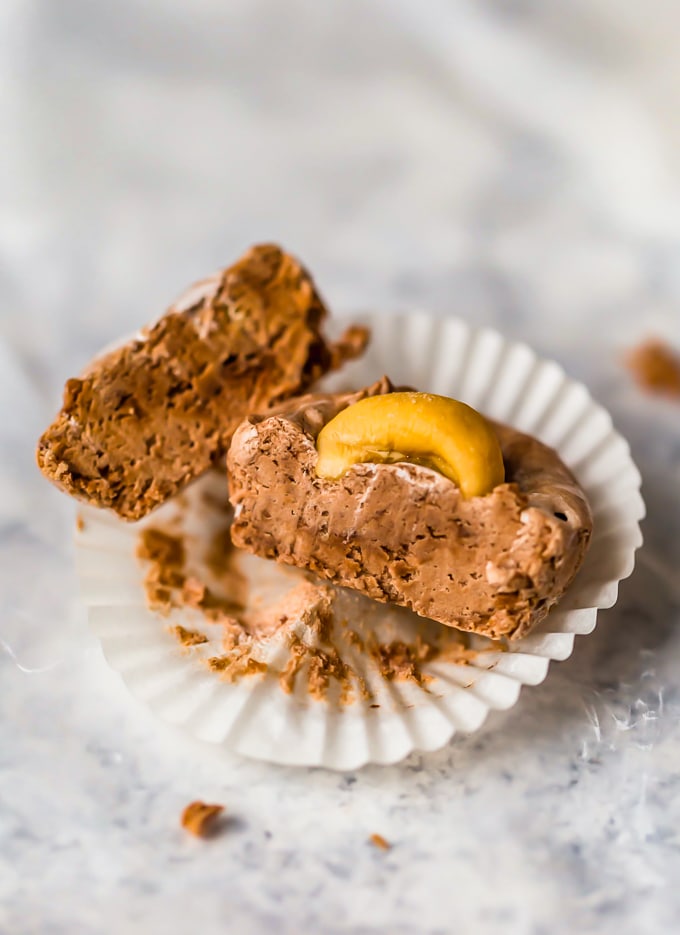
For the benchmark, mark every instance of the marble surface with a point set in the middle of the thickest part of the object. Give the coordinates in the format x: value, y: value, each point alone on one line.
x: 513, y: 163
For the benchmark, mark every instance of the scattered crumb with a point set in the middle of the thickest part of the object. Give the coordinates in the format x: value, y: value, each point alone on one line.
x: 193, y: 592
x: 460, y: 653
x: 354, y: 639
x: 199, y: 818
x: 189, y: 637
x: 170, y: 584
x: 655, y: 367
x: 365, y: 692
x: 298, y: 654
x: 158, y: 546
x: 237, y: 665
x: 321, y: 665
x: 402, y: 661
x: 377, y: 840
x: 186, y: 572
x: 166, y: 555
x: 80, y: 523
x: 325, y: 665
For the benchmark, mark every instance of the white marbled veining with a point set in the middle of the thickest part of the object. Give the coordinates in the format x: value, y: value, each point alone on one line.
x: 513, y: 163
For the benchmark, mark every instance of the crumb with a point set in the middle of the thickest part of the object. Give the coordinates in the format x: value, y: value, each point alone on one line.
x: 189, y: 637
x: 199, y: 818
x: 325, y: 665
x: 169, y: 585
x: 175, y: 579
x: 308, y: 602
x: 318, y: 666
x: 354, y: 639
x: 365, y: 692
x: 377, y: 840
x: 235, y: 666
x: 158, y: 546
x: 455, y: 648
x: 193, y: 592
x: 166, y: 556
x: 80, y: 523
x: 297, y: 658
x: 655, y: 367
x: 399, y: 661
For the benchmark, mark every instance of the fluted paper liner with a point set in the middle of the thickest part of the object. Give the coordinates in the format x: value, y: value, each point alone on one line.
x: 380, y: 720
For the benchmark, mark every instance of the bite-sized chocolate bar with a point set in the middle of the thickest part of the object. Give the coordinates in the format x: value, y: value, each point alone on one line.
x: 147, y: 418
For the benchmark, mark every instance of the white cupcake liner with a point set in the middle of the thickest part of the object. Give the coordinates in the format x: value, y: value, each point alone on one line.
x: 253, y: 716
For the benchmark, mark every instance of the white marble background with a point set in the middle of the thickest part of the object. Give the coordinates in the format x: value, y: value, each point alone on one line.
x: 517, y: 163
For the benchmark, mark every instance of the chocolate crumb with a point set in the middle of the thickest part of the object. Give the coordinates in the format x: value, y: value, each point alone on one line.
x: 189, y: 637
x: 199, y: 818
x: 166, y: 555
x: 158, y: 546
x: 234, y: 667
x: 201, y: 574
x: 655, y: 367
x: 377, y: 840
x: 354, y: 639
x: 325, y: 665
x: 402, y: 661
x: 193, y: 592
x: 298, y: 653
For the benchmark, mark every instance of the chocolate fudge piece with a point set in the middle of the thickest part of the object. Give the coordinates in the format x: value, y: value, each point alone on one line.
x: 403, y: 533
x: 148, y: 417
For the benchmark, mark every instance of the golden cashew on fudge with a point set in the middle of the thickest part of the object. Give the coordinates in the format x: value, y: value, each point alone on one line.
x: 421, y: 428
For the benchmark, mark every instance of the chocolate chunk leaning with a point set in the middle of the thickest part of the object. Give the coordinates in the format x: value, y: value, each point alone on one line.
x: 403, y: 533
x: 145, y: 419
